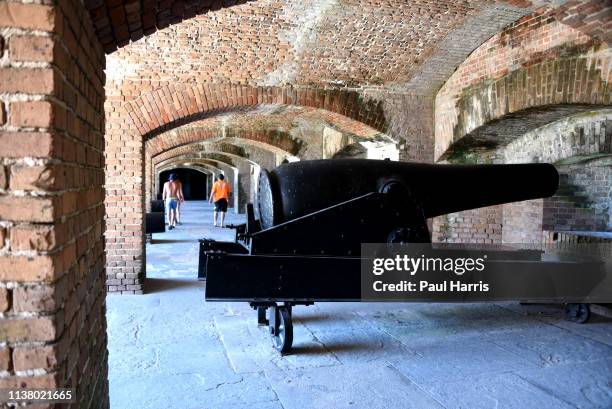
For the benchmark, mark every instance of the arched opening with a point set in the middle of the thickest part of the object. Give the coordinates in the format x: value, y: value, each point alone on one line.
x: 195, y: 184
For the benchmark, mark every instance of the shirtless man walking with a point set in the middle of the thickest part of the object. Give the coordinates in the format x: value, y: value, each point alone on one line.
x: 173, y: 192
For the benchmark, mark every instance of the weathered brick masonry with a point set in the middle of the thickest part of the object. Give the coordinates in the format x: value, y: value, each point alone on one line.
x: 535, y: 92
x: 438, y: 77
x: 534, y: 72
x: 52, y: 282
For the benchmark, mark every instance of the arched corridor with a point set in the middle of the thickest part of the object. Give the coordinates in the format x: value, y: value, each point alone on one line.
x: 100, y: 100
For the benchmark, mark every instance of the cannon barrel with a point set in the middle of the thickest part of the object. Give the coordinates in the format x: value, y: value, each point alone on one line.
x: 299, y: 188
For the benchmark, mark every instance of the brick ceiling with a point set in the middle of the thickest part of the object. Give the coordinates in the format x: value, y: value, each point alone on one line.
x: 118, y: 22
x: 399, y: 44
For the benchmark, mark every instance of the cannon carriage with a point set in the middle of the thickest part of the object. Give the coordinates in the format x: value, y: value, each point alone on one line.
x: 303, y: 242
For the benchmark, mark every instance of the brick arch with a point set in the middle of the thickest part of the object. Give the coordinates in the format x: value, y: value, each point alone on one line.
x: 247, y: 156
x: 204, y: 146
x: 213, y: 163
x: 575, y: 138
x: 224, y: 149
x: 526, y: 76
x: 580, y: 146
x: 271, y: 139
x: 206, y: 166
x: 208, y: 170
x: 503, y: 131
x: 171, y: 106
x: 201, y: 169
x: 231, y: 171
x: 217, y: 157
x: 189, y: 156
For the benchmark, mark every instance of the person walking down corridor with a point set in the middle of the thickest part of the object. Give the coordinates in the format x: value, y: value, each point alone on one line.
x: 220, y: 195
x: 173, y: 192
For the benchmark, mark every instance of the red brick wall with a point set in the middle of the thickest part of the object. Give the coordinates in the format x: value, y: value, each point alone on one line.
x: 514, y: 223
x: 124, y: 200
x: 537, y: 61
x: 52, y: 289
x: 584, y: 199
x: 522, y: 222
x: 473, y: 226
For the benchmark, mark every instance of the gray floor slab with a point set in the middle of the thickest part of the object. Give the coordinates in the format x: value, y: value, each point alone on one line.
x: 581, y: 384
x: 371, y: 385
x: 502, y: 390
x: 171, y: 349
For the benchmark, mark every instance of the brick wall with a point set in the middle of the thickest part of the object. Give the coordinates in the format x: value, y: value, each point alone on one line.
x: 52, y: 289
x: 473, y: 226
x: 535, y: 62
x: 522, y: 222
x: 584, y: 199
x: 580, y: 146
x: 512, y: 223
x: 124, y: 200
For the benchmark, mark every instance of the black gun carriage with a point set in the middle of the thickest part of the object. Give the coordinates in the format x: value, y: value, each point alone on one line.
x: 304, y: 244
x: 155, y: 219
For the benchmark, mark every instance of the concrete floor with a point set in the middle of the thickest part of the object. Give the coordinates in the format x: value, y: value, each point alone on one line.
x: 170, y: 349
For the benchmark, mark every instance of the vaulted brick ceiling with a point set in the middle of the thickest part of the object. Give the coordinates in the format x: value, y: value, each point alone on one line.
x: 120, y: 21
x: 397, y: 43
x: 318, y: 40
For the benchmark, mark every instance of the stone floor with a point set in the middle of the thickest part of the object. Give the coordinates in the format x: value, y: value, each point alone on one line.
x: 171, y: 349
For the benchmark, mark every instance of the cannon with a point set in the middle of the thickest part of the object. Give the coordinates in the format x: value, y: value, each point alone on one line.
x: 302, y: 244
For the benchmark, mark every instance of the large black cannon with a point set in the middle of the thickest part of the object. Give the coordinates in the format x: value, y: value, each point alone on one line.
x: 303, y: 242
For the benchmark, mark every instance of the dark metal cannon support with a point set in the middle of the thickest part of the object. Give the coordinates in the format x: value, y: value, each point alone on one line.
x: 157, y: 206
x: 154, y: 223
x: 155, y: 220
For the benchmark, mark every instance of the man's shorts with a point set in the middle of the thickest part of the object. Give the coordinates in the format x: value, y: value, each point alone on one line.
x: 172, y: 204
x: 221, y: 205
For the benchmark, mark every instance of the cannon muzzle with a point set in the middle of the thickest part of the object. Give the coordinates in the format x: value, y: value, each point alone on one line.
x: 300, y: 188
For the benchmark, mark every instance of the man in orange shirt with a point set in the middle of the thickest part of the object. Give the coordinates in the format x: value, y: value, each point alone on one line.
x: 220, y: 195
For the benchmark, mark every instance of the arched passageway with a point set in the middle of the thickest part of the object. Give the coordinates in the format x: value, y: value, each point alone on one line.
x: 75, y: 122
x: 195, y: 184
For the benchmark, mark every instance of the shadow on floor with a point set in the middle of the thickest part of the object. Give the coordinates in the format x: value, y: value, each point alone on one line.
x: 306, y: 319
x: 169, y: 241
x: 157, y: 285
x: 332, y: 348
